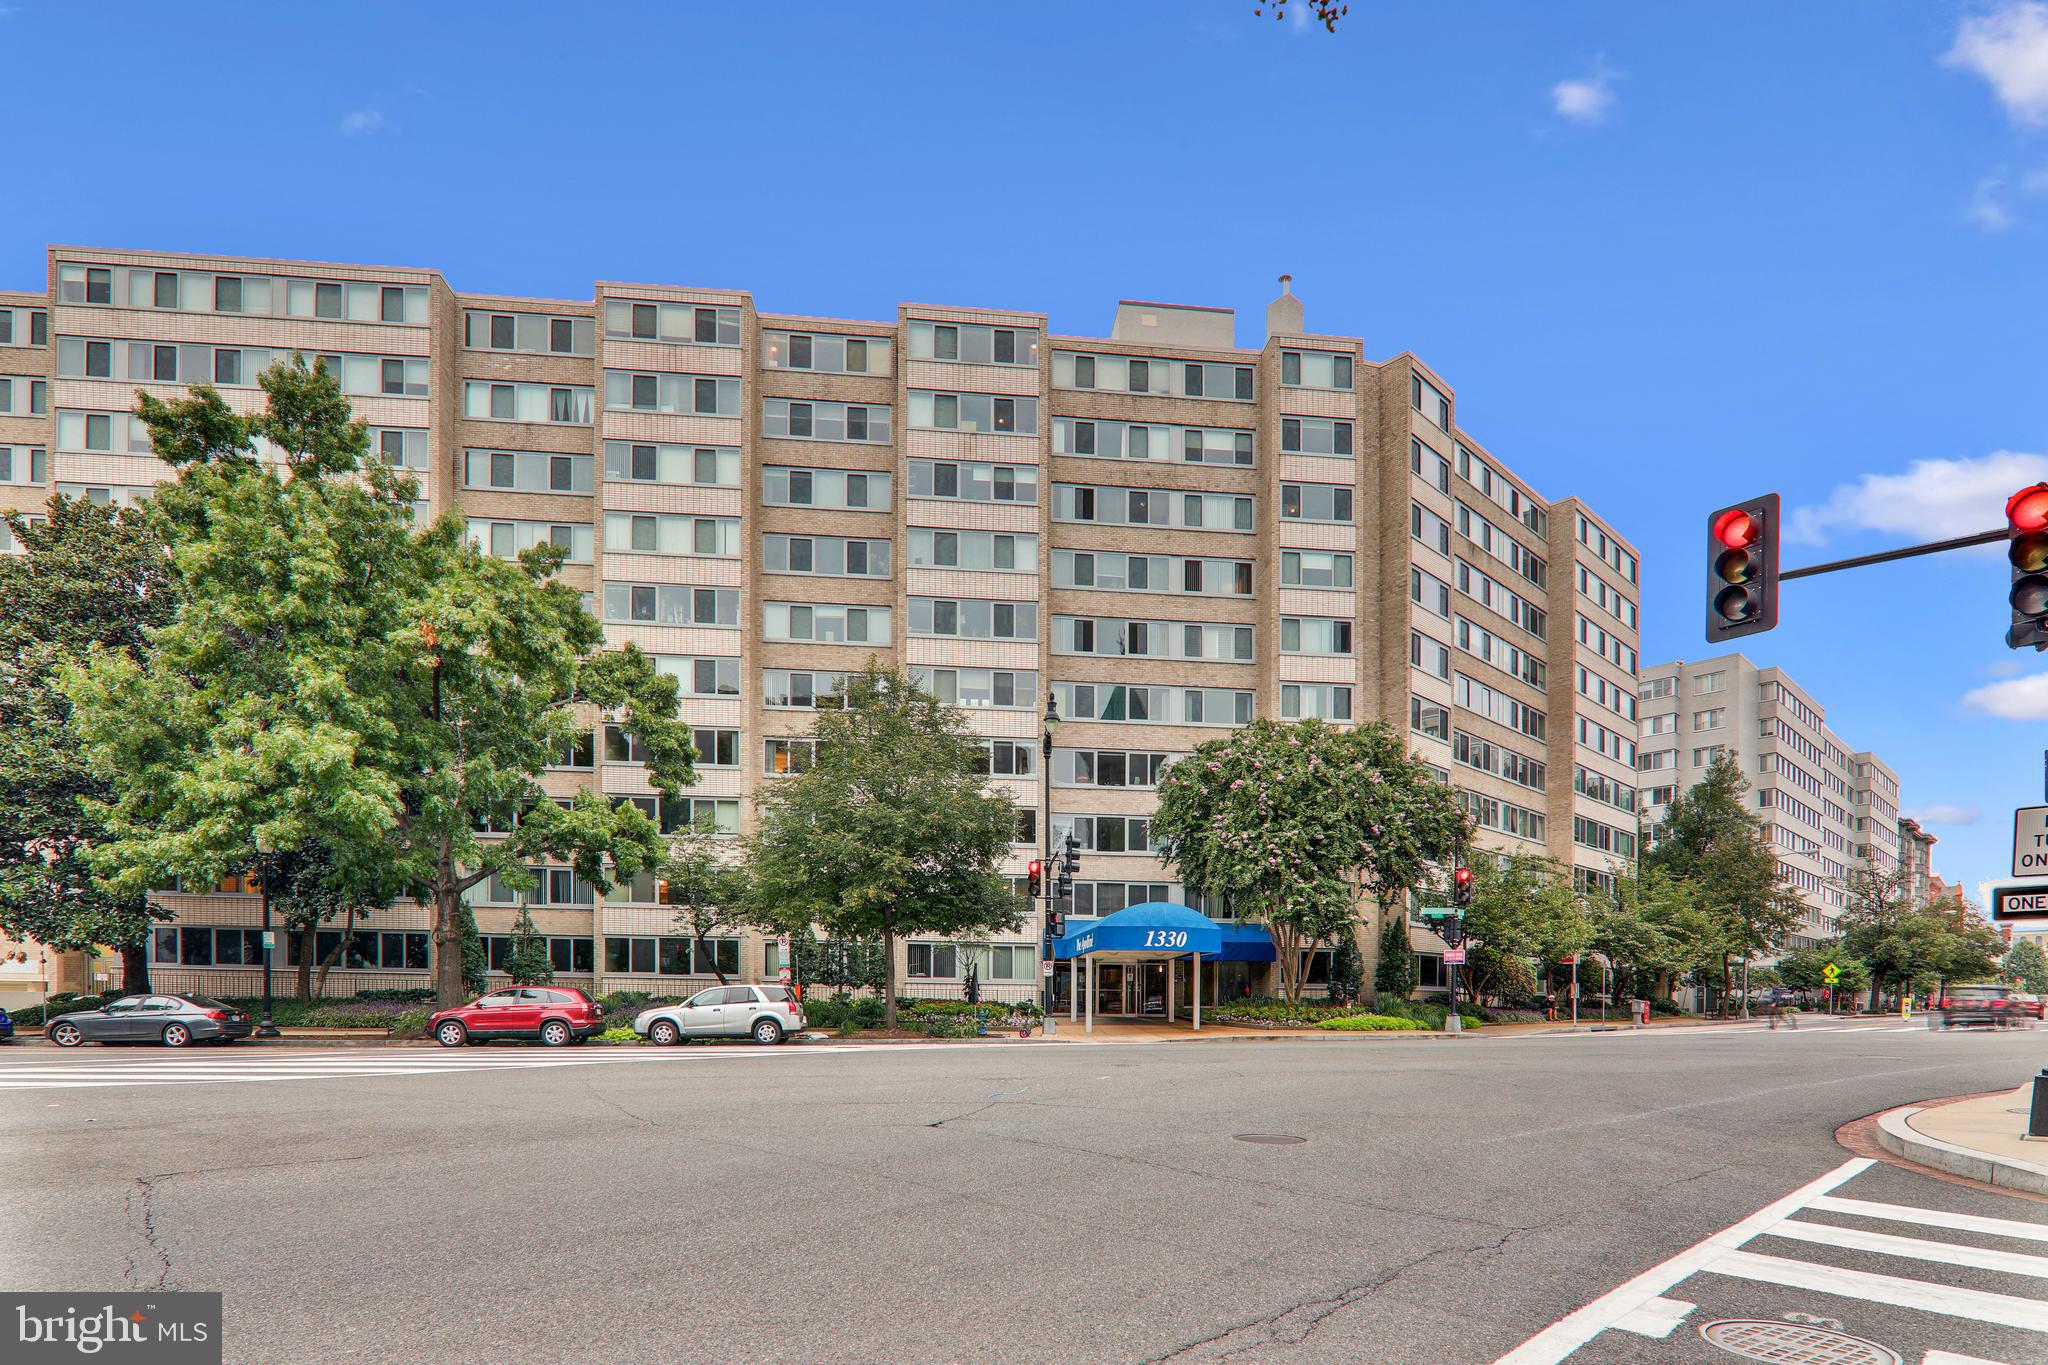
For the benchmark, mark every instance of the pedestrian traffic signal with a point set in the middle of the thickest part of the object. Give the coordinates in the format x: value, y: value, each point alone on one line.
x: 1461, y: 886
x: 1056, y: 925
x: 1037, y: 879
x: 1742, y: 569
x: 2026, y: 530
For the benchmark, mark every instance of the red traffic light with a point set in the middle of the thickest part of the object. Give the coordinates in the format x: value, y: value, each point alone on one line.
x: 1463, y: 877
x: 1735, y: 528
x: 2027, y: 510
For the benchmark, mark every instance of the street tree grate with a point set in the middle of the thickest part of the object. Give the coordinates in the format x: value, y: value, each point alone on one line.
x: 1270, y: 1139
x: 1793, y: 1343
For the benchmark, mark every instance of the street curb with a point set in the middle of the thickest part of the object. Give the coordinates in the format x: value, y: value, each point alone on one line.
x: 1898, y: 1138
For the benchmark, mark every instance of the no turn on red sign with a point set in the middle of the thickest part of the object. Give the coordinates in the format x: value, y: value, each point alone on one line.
x: 2030, y: 841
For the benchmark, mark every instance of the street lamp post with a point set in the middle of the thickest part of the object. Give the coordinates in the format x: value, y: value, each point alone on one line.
x: 1046, y: 879
x: 268, y: 1028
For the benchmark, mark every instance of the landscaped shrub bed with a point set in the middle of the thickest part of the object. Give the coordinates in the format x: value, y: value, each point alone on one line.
x: 1370, y: 1023
x: 35, y: 1016
x: 1427, y: 1014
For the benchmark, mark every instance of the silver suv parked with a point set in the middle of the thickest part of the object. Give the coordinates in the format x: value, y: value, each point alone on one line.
x: 768, y: 1014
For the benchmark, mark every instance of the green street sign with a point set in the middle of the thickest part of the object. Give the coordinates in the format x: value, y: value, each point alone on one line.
x: 1438, y: 912
x: 1831, y: 973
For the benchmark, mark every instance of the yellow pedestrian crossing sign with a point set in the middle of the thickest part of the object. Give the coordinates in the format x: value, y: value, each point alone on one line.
x: 1831, y: 973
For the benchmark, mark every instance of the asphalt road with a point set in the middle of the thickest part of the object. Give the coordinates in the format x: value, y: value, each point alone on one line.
x: 1452, y: 1199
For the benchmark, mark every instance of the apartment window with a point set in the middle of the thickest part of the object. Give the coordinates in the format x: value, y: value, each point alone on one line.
x: 1105, y: 833
x: 1114, y: 572
x: 973, y: 619
x: 833, y: 555
x: 1710, y: 682
x: 1154, y: 705
x: 528, y: 402
x: 933, y: 961
x: 1108, y: 767
x: 663, y: 533
x: 783, y: 757
x: 1299, y: 700
x: 977, y: 688
x: 824, y: 353
x: 974, y: 412
x: 1315, y: 502
x: 1315, y: 569
x: 711, y: 675
x: 797, y: 419
x: 672, y: 464
x: 935, y: 549
x: 1315, y: 436
x: 1429, y: 654
x: 969, y: 482
x: 671, y: 604
x: 1429, y: 400
x: 1429, y: 528
x: 706, y: 325
x: 227, y: 294
x: 685, y: 394
x: 1314, y: 635
x: 826, y: 623
x: 974, y: 344
x: 841, y: 490
x: 1427, y: 717
x: 802, y: 691
x: 1712, y: 719
x: 99, y: 286
x: 1315, y: 369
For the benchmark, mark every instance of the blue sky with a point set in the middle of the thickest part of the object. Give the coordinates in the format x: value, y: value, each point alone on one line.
x: 1670, y: 255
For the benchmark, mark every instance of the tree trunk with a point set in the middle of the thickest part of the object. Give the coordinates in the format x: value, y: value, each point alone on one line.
x: 714, y: 958
x: 309, y: 943
x: 348, y: 928
x: 1724, y: 985
x: 889, y: 971
x: 448, y: 988
x: 135, y: 968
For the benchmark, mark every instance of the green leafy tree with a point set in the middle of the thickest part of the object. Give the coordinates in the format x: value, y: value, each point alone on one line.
x: 838, y: 964
x: 305, y: 893
x: 1523, y: 907
x: 1804, y: 969
x: 527, y: 961
x: 2027, y: 965
x: 1292, y: 821
x: 1649, y: 926
x: 470, y: 945
x: 1873, y: 919
x: 707, y: 888
x: 333, y: 675
x: 893, y: 831
x: 87, y: 577
x: 1347, y: 969
x: 1713, y: 841
x: 1394, y: 972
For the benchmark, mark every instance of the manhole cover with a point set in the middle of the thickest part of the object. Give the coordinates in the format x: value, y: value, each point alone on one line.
x: 1271, y: 1139
x: 1794, y: 1343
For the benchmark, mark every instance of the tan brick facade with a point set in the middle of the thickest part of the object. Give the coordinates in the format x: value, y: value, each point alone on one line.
x: 673, y: 406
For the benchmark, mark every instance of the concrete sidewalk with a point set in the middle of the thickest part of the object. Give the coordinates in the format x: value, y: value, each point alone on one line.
x: 1981, y: 1137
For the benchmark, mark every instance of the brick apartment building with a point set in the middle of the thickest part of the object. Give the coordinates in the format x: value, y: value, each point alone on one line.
x: 1827, y: 809
x: 1168, y: 532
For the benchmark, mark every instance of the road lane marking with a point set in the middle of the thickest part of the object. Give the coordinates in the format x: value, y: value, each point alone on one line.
x: 1952, y: 1301
x: 1932, y: 1218
x: 1657, y: 1318
x: 1913, y: 1248
x: 1557, y: 1341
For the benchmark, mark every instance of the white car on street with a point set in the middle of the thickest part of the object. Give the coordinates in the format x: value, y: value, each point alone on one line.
x: 767, y: 1014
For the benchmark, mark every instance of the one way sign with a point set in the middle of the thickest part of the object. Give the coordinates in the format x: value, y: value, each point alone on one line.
x: 2030, y: 841
x: 2018, y: 905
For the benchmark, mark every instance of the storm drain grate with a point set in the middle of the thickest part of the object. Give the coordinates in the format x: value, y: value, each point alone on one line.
x: 1793, y: 1343
x: 1270, y: 1139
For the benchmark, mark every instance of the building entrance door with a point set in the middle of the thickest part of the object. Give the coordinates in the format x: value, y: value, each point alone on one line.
x: 1109, y: 988
x: 1147, y: 990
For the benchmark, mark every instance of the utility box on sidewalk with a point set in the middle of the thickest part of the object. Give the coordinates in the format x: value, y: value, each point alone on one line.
x: 1641, y: 1010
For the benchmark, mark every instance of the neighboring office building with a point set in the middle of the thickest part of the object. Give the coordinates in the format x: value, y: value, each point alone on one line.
x: 1171, y: 533
x: 1826, y: 809
x: 1916, y: 861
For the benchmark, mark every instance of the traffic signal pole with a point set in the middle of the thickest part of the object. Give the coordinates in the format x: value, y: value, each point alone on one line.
x: 1886, y: 556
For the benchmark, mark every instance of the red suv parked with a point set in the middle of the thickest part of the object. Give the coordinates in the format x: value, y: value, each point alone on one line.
x: 557, y: 1015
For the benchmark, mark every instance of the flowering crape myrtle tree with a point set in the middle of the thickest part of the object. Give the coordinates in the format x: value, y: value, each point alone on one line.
x: 1292, y: 821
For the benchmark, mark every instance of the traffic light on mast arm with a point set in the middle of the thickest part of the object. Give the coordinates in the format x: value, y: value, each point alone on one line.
x: 1742, y: 569
x: 2026, y: 530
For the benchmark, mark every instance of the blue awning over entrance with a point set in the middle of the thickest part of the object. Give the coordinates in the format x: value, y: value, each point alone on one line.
x: 1247, y: 943
x: 1155, y: 928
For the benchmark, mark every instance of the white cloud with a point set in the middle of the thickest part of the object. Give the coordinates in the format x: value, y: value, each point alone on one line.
x: 1585, y: 99
x: 2019, y: 699
x: 1940, y: 814
x: 362, y: 122
x: 1989, y: 207
x: 1932, y: 500
x: 2009, y: 49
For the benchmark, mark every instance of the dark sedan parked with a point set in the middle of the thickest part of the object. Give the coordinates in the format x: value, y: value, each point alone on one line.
x: 173, y: 1020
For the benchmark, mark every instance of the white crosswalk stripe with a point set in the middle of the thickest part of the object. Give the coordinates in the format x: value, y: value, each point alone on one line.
x: 1641, y: 1306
